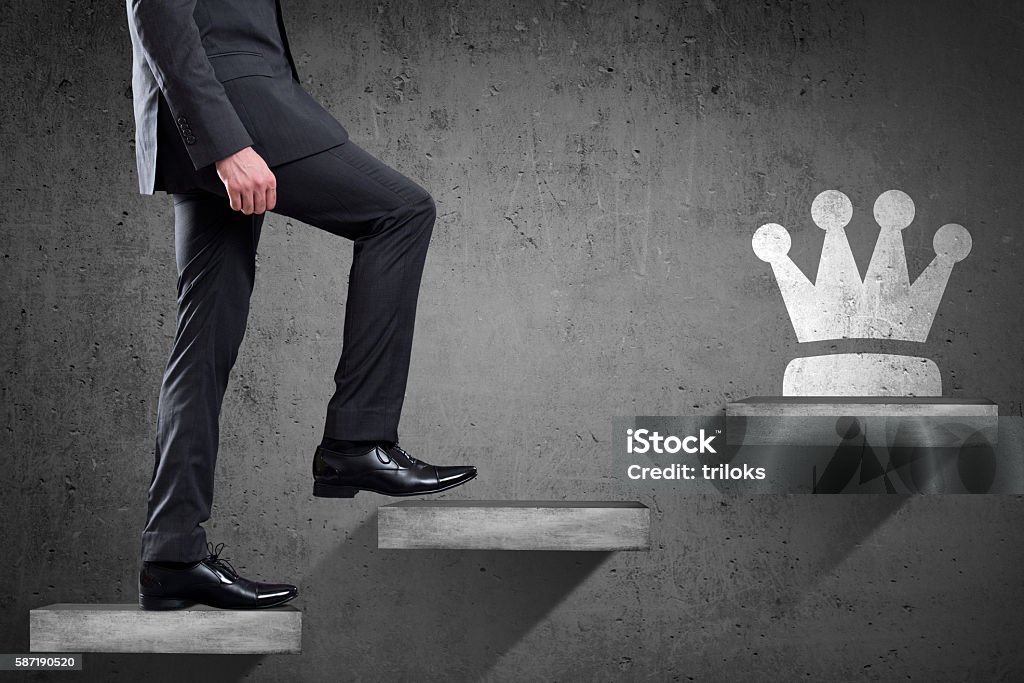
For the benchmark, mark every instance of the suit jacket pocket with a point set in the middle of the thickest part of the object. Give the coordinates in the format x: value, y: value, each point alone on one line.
x: 231, y: 65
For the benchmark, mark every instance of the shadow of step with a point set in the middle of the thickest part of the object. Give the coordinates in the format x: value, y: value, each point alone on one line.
x: 67, y: 627
x: 514, y: 525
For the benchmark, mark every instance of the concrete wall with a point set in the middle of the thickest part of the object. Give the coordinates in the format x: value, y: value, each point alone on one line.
x: 599, y: 170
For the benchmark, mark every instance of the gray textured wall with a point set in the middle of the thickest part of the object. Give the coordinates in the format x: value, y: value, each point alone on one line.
x: 599, y: 169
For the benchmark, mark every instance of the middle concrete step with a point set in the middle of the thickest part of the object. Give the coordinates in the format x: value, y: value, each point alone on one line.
x: 515, y: 525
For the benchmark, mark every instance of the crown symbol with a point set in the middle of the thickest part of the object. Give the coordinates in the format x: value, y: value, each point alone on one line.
x: 884, y: 305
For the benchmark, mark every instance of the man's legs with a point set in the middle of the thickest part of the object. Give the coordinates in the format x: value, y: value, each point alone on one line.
x: 390, y: 218
x: 346, y: 192
x: 215, y: 253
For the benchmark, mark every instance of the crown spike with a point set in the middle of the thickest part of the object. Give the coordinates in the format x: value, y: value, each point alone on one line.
x: 838, y: 280
x: 831, y: 211
x: 952, y: 244
x: 887, y: 281
x: 771, y: 243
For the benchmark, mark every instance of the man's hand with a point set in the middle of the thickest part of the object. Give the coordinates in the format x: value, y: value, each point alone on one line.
x: 251, y: 185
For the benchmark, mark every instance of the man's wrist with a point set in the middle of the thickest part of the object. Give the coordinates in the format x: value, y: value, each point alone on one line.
x: 231, y: 155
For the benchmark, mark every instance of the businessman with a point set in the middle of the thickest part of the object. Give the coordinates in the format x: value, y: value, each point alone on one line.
x: 223, y: 125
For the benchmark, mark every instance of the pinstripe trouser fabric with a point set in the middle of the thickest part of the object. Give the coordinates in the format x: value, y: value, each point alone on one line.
x: 346, y: 192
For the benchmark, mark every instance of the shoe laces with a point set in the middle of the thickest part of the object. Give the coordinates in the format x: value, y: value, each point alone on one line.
x: 219, y: 562
x: 396, y: 447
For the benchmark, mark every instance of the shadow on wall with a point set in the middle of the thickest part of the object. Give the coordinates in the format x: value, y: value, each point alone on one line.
x: 416, y: 613
x: 832, y: 532
x: 821, y: 534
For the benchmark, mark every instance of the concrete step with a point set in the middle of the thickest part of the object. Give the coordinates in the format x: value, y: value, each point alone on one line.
x: 859, y: 406
x: 514, y: 525
x: 66, y: 627
x: 818, y: 420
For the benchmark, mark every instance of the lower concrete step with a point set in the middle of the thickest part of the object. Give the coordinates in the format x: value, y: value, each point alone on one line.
x: 67, y: 627
x: 514, y: 525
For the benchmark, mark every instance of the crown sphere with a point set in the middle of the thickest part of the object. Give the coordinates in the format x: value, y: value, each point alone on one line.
x: 952, y: 240
x: 894, y: 210
x: 771, y: 242
x: 831, y: 209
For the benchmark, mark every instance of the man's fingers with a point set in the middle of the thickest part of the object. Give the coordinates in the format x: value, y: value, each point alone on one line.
x: 259, y: 201
x: 247, y: 202
x: 270, y: 194
x: 250, y: 201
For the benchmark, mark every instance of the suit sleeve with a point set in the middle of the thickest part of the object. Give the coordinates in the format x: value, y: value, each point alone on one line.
x: 206, y: 119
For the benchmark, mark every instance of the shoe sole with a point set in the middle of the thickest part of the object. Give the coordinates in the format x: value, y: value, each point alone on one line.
x: 148, y: 602
x: 322, y: 490
x: 151, y: 603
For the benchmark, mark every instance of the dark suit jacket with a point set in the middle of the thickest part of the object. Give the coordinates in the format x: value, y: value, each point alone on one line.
x: 210, y: 77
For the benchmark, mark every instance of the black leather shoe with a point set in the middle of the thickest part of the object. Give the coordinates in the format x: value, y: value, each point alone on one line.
x: 211, y: 581
x: 383, y: 468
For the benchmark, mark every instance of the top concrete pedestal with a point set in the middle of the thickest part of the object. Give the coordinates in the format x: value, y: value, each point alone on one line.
x: 861, y: 406
x: 824, y: 420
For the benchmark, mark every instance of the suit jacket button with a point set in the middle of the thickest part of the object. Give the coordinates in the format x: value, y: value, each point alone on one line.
x: 190, y: 140
x: 182, y: 119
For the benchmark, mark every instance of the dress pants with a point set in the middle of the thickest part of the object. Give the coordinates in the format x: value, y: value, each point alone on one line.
x: 346, y: 192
